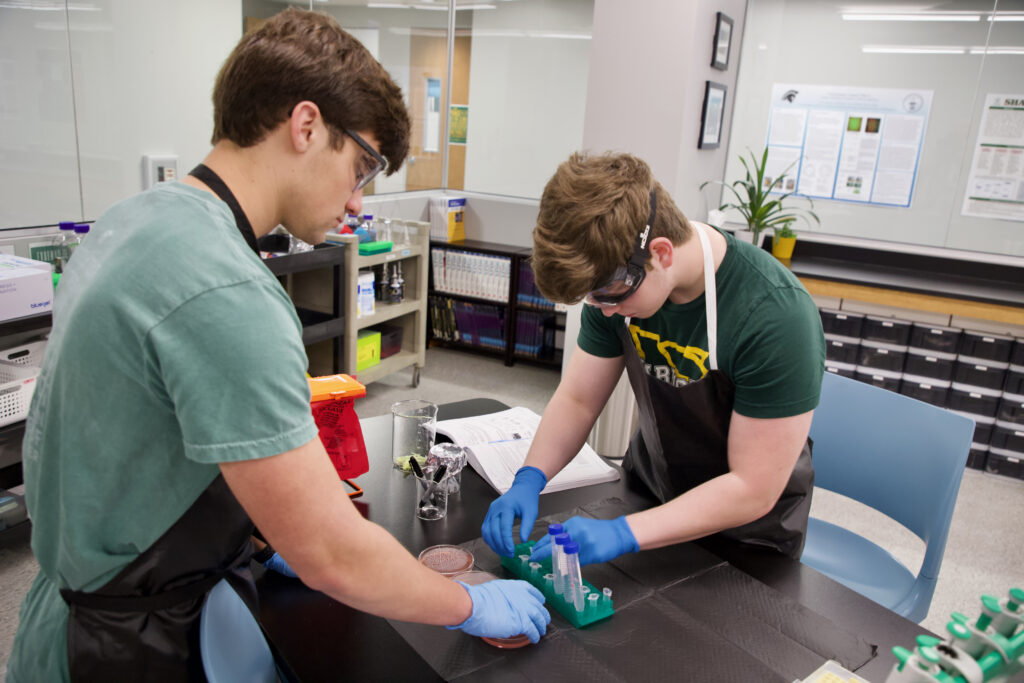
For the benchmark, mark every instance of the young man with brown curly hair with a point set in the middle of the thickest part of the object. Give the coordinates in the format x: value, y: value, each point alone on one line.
x: 724, y: 351
x: 172, y: 410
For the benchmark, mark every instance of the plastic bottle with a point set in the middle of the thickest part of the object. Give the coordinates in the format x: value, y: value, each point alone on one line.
x: 397, y: 285
x: 59, y: 250
x: 370, y: 226
x: 81, y: 230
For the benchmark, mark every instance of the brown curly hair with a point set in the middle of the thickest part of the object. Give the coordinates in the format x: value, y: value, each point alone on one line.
x: 590, y: 213
x: 301, y: 55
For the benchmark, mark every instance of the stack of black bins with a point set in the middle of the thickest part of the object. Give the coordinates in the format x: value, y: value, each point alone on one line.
x: 1006, y: 447
x: 979, y: 374
x: 842, y: 340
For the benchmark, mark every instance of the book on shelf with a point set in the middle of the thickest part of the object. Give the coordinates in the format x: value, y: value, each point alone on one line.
x: 497, y: 443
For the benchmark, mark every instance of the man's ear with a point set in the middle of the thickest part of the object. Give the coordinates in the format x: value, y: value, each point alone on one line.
x: 304, y: 124
x: 662, y: 250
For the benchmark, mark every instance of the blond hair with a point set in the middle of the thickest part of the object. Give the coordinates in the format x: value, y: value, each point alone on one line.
x: 590, y: 213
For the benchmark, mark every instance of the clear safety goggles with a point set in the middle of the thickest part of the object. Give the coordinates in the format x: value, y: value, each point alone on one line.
x: 367, y: 168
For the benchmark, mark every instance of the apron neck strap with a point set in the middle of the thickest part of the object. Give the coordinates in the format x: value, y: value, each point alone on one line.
x: 710, y: 296
x: 213, y: 181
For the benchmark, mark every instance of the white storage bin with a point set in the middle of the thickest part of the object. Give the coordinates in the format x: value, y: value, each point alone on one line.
x: 17, y: 384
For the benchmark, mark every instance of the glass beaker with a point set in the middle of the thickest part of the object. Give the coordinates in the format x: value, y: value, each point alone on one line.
x: 412, y: 431
x: 453, y: 458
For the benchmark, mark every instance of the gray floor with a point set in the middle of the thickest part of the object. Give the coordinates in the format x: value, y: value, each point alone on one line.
x: 984, y: 553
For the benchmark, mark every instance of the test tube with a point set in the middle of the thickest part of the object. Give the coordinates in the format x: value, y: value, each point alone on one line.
x: 558, y: 561
x: 573, y: 580
x: 534, y: 568
x: 592, y: 600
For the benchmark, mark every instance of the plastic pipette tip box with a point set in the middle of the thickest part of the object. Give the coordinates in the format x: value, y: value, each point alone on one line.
x: 588, y: 616
x: 368, y: 248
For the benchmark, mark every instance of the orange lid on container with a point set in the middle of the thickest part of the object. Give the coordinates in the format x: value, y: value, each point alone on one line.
x: 335, y: 387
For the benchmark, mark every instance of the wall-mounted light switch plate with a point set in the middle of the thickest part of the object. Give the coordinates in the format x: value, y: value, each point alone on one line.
x: 158, y: 169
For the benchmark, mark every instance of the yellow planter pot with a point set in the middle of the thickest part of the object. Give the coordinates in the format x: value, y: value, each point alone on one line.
x: 782, y: 247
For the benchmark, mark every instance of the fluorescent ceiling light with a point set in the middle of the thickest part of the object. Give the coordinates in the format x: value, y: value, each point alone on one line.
x: 1007, y: 16
x: 914, y: 49
x: 386, y: 5
x: 477, y: 6
x: 442, y: 8
x: 1010, y: 50
x: 921, y: 16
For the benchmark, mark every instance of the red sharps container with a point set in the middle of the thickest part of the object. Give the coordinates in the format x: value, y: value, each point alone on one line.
x: 331, y: 401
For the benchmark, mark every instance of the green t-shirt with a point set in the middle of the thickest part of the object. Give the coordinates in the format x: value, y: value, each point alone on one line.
x: 770, y: 342
x: 173, y: 349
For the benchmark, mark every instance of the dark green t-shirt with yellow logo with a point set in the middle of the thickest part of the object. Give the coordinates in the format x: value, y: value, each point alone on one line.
x: 770, y: 342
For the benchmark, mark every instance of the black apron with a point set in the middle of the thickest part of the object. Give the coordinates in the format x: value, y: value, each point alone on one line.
x: 143, y: 625
x: 683, y: 437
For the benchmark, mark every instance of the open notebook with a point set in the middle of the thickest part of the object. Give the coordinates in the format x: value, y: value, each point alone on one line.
x: 496, y: 446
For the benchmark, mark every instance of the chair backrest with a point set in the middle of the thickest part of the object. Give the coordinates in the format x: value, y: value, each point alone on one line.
x: 903, y: 457
x: 233, y: 647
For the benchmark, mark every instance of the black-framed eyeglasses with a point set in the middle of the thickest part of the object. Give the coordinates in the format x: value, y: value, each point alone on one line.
x: 628, y: 278
x: 367, y: 169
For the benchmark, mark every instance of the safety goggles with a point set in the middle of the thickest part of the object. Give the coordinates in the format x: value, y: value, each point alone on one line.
x: 628, y: 278
x: 367, y: 168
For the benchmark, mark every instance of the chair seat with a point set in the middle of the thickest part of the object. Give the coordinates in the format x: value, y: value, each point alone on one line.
x: 857, y: 563
x: 233, y: 647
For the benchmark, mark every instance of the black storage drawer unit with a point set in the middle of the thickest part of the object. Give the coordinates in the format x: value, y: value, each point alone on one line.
x: 1017, y: 354
x: 979, y: 374
x: 982, y: 427
x: 935, y: 338
x: 1008, y: 436
x: 841, y: 369
x: 841, y: 323
x: 967, y: 399
x: 929, y: 364
x: 986, y: 346
x: 841, y: 349
x: 882, y: 356
x: 885, y: 379
x: 888, y: 330
x: 977, y: 457
x: 1007, y: 464
x: 929, y: 392
x: 1011, y: 409
x: 1014, y: 380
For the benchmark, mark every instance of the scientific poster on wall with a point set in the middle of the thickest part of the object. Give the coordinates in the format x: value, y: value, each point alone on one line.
x: 850, y: 144
x: 995, y: 188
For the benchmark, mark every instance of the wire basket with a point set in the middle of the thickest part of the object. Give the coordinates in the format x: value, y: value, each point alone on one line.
x: 26, y: 354
x: 17, y: 384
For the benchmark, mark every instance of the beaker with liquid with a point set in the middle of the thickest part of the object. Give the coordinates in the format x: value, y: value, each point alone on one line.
x: 412, y: 431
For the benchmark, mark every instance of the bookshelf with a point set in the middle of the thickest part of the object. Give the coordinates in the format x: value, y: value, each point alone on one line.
x: 482, y: 299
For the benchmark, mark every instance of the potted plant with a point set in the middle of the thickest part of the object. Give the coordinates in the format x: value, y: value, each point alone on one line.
x: 754, y: 199
x: 783, y: 241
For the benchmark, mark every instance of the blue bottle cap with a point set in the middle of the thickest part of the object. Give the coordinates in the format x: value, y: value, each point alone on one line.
x: 571, y: 547
x: 554, y: 529
x: 367, y: 216
x: 562, y: 539
x: 67, y: 225
x: 81, y: 228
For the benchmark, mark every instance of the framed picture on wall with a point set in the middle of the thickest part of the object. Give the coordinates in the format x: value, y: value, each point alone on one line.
x: 723, y: 39
x: 712, y: 115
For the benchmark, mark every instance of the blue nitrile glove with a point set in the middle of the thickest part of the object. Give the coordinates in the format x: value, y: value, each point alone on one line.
x: 502, y: 609
x: 520, y: 501
x: 277, y: 563
x: 600, y: 540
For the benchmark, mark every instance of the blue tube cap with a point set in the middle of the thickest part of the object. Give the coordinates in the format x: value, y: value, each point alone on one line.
x: 571, y: 547
x: 562, y: 539
x: 554, y: 529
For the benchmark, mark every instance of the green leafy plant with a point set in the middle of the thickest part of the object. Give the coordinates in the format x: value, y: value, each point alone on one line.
x: 754, y: 199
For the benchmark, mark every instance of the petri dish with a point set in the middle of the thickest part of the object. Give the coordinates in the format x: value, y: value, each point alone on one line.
x: 447, y: 560
x: 477, y: 577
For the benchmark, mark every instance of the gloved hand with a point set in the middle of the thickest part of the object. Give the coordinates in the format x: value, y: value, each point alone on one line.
x: 600, y: 540
x: 520, y: 501
x: 502, y: 609
x: 277, y: 563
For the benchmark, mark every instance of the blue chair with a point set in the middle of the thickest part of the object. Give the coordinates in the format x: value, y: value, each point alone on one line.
x: 900, y: 456
x: 233, y: 647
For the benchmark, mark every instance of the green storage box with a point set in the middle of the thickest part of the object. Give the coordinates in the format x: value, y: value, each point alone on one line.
x: 367, y: 349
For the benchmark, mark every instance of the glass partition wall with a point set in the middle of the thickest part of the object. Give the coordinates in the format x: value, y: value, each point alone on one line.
x: 91, y: 87
x: 904, y: 122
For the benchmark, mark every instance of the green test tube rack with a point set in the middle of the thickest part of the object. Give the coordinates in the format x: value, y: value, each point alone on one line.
x: 590, y: 614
